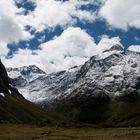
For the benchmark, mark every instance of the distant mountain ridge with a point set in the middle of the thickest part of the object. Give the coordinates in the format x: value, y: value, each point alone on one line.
x: 35, y: 84
x: 113, y: 71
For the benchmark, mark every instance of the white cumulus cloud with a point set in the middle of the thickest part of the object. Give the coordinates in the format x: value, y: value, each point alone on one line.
x: 52, y: 13
x: 3, y: 49
x: 10, y: 28
x: 121, y: 13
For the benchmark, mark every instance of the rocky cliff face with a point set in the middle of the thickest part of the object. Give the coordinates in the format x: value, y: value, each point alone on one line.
x: 107, y: 84
x: 5, y: 87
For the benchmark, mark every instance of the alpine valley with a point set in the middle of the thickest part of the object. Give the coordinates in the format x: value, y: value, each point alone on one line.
x: 104, y: 91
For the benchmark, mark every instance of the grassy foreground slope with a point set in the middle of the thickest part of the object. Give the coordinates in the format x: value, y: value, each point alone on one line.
x: 19, y: 110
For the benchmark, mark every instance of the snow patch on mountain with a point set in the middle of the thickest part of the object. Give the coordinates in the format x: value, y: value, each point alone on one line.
x: 2, y: 94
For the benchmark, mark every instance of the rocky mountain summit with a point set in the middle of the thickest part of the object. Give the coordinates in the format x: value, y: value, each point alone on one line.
x: 108, y: 80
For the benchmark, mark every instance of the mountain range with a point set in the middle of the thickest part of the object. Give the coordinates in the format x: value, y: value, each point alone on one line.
x: 105, y: 90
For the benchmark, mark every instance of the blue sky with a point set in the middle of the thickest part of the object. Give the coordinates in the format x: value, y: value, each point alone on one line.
x: 37, y: 23
x: 95, y: 29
